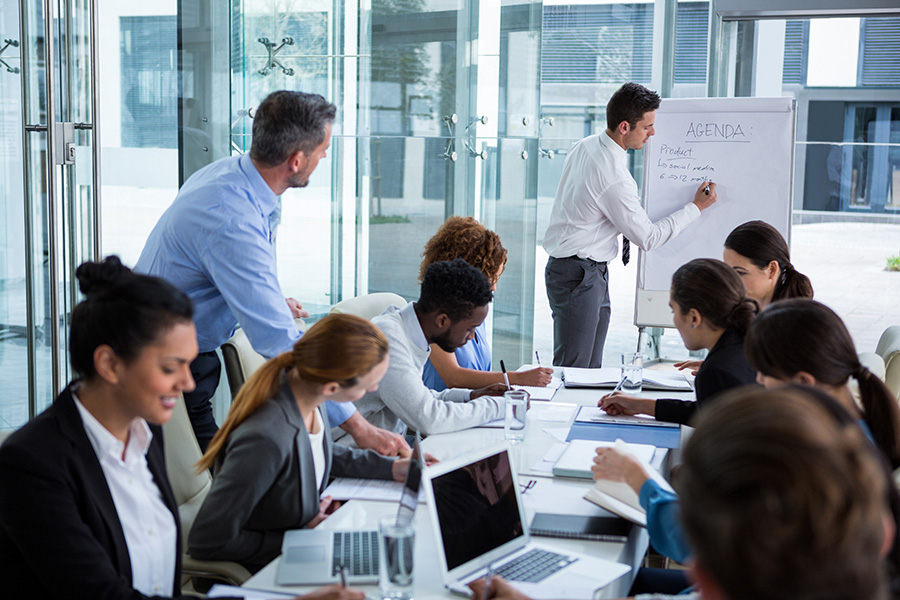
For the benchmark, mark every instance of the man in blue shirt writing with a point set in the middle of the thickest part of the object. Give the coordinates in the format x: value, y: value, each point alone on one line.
x: 216, y: 244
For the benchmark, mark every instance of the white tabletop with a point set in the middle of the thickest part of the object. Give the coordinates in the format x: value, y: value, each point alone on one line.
x: 549, y: 494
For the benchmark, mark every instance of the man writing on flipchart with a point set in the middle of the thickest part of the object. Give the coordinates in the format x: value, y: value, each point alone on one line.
x: 597, y: 199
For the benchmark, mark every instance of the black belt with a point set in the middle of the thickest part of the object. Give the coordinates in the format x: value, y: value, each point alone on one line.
x: 576, y: 257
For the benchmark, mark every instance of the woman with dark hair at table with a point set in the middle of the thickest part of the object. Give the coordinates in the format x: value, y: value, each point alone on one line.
x: 804, y: 341
x: 711, y: 311
x: 798, y: 507
x: 86, y: 508
x: 760, y: 256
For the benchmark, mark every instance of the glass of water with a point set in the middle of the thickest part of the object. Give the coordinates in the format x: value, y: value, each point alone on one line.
x: 632, y: 372
x: 514, y: 422
x: 395, y: 571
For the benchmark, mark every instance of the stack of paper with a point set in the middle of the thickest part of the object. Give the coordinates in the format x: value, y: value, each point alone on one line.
x: 608, y: 377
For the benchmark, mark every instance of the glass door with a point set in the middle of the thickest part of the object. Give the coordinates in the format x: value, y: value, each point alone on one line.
x: 47, y: 193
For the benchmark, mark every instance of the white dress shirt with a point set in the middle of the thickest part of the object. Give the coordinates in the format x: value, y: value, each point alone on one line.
x: 148, y: 525
x: 597, y: 199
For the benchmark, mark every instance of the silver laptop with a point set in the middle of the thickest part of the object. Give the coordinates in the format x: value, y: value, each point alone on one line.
x: 315, y: 556
x: 478, y: 519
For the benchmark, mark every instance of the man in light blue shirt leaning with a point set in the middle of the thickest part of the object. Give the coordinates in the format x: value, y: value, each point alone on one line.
x: 216, y: 244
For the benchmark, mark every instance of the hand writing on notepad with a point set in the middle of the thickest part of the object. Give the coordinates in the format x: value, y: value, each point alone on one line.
x: 538, y: 377
x: 617, y: 403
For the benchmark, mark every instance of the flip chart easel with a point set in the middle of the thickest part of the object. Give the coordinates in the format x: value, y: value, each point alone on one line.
x: 746, y: 146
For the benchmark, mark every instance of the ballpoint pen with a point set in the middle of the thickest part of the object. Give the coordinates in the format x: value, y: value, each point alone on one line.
x: 487, y: 582
x: 343, y: 572
x: 505, y: 376
x: 537, y: 357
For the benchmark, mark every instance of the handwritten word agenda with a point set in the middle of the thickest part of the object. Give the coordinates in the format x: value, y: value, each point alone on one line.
x: 719, y: 131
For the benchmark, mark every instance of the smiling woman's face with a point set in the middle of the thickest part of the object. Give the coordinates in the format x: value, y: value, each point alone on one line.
x: 150, y: 385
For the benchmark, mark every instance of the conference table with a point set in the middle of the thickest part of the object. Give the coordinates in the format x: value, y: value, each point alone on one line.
x: 545, y: 428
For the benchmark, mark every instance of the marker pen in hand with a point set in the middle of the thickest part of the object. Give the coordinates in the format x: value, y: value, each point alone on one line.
x: 706, y: 189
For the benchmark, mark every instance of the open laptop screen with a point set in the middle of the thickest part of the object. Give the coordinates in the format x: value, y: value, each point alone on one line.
x: 411, y: 485
x: 477, y: 508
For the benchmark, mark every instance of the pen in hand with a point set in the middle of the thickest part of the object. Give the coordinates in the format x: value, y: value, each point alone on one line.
x: 505, y: 376
x: 487, y: 582
x: 537, y: 357
x: 343, y: 571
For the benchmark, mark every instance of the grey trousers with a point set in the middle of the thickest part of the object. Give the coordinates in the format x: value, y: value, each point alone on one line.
x: 578, y: 291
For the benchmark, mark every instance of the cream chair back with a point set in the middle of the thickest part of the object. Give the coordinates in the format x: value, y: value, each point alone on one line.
x: 191, y: 488
x: 241, y: 360
x: 889, y: 350
x: 368, y: 306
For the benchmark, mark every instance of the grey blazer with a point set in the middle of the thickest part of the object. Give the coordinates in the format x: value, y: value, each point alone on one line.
x: 265, y: 484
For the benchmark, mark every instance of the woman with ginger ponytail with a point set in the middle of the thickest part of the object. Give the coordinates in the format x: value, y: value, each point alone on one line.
x: 273, y: 455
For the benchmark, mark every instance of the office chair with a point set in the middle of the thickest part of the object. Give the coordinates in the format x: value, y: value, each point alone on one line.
x: 889, y: 350
x: 190, y: 487
x: 369, y: 305
x: 241, y: 360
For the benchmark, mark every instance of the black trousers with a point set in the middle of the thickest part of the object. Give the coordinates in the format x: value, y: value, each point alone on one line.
x: 206, y: 370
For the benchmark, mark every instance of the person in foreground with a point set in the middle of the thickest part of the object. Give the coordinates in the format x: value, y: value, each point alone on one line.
x: 470, y: 365
x: 86, y: 508
x: 804, y: 341
x: 273, y: 456
x: 710, y: 311
x: 759, y: 255
x: 790, y: 508
x: 597, y: 199
x: 216, y: 243
x: 453, y: 301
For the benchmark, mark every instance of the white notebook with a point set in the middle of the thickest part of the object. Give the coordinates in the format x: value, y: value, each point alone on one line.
x: 578, y: 457
x: 618, y: 497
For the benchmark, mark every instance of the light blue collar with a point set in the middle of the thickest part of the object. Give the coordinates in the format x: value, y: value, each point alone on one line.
x: 263, y: 194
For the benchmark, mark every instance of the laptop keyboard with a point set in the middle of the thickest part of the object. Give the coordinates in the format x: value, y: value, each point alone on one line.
x: 534, y: 566
x: 357, y: 551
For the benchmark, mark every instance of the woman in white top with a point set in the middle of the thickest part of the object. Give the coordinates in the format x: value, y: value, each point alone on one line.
x: 86, y: 508
x: 273, y: 455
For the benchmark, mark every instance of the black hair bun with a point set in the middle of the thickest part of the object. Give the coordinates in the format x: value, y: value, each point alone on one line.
x: 95, y: 278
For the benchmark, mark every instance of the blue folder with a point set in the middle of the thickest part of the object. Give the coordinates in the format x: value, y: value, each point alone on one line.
x: 661, y: 437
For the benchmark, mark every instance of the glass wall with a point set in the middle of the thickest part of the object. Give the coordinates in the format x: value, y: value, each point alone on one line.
x: 437, y: 115
x: 46, y: 194
x: 844, y: 74
x: 139, y: 98
x: 444, y: 108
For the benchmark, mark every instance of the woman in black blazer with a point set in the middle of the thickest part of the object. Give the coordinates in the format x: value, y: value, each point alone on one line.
x: 710, y: 311
x: 86, y: 508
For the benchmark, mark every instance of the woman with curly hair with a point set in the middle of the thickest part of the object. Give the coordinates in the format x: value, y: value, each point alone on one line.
x: 470, y: 366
